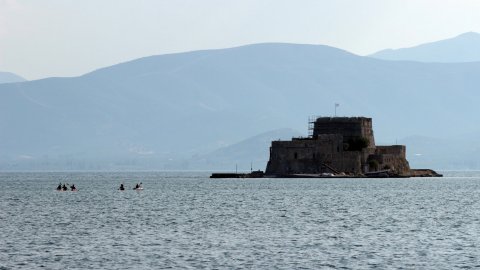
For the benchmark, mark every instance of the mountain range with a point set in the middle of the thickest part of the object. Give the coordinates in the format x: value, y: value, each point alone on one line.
x: 462, y: 48
x: 206, y: 109
x: 8, y: 77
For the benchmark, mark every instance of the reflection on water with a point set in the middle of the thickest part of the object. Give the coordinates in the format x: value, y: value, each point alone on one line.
x: 185, y: 220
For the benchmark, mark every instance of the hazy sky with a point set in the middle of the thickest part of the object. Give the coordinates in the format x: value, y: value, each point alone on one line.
x: 44, y: 38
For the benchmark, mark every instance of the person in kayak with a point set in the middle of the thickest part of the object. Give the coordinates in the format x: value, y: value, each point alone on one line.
x: 138, y: 186
x: 64, y: 187
x: 59, y: 187
x: 72, y: 187
x: 121, y: 187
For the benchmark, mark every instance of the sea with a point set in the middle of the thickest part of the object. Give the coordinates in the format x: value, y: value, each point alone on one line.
x: 184, y: 220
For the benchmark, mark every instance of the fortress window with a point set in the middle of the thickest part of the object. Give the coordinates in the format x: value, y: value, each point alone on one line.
x: 313, y: 155
x: 295, y: 155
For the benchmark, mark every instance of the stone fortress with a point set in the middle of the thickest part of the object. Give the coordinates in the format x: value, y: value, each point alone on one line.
x: 343, y: 146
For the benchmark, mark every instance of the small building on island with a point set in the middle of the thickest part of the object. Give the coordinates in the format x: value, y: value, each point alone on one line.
x: 343, y: 146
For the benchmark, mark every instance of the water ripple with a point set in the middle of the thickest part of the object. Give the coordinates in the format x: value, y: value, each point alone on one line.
x: 187, y: 221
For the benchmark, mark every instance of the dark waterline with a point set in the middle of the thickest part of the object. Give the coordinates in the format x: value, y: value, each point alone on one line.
x: 188, y: 221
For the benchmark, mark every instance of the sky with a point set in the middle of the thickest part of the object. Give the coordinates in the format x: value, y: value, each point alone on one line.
x: 64, y: 38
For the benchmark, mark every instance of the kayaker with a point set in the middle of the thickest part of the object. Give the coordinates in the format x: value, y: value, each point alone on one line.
x: 121, y: 187
x: 64, y: 187
x: 138, y: 186
x: 59, y: 187
x: 72, y: 187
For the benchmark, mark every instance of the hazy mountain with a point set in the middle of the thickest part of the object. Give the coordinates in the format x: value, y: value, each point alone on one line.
x: 455, y: 153
x: 159, y: 111
x: 8, y: 77
x: 462, y: 48
x: 249, y: 153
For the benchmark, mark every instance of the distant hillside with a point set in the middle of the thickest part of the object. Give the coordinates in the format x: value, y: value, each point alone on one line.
x: 155, y: 112
x: 7, y: 77
x: 252, y: 152
x: 455, y: 153
x: 463, y: 48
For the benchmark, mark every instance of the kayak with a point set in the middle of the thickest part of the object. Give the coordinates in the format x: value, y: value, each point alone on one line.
x: 140, y: 188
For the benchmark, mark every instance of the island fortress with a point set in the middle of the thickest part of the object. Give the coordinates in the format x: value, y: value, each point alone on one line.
x: 339, y: 146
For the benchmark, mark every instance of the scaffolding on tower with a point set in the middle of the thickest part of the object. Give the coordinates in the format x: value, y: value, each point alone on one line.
x: 311, y: 124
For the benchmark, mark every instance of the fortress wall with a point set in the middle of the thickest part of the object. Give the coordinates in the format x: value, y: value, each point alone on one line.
x: 398, y: 164
x: 348, y: 162
x: 345, y: 162
x: 399, y: 150
x: 310, y: 155
x: 395, y: 162
x: 306, y: 148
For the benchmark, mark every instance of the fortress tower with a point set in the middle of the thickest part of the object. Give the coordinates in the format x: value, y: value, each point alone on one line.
x: 351, y: 128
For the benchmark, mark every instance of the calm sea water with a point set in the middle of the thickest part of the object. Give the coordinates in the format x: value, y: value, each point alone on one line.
x: 187, y: 221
